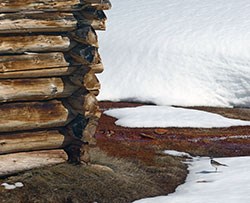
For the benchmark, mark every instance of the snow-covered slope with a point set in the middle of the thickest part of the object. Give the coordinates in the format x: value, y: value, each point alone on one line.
x: 177, y: 52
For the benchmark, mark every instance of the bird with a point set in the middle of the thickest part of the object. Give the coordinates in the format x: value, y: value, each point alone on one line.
x: 216, y: 164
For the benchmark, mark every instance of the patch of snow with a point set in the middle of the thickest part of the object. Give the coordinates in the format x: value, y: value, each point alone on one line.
x: 177, y: 52
x: 205, y: 185
x: 19, y: 184
x: 166, y: 116
x: 8, y: 186
x: 177, y: 153
x: 220, y: 138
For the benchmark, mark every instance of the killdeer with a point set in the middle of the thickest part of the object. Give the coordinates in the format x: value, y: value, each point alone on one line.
x: 216, y: 164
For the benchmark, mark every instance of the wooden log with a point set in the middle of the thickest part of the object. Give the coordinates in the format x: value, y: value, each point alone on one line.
x: 51, y: 72
x: 85, y: 35
x: 96, y: 68
x: 35, y: 89
x: 99, y: 4
x: 90, y: 16
x: 91, y: 13
x: 91, y: 82
x: 85, y: 104
x: 33, y: 115
x: 18, y: 162
x: 30, y: 141
x: 85, y: 54
x: 89, y: 131
x: 37, y: 43
x: 32, y: 61
x: 91, y: 107
x: 45, y: 5
x: 37, y: 22
x: 96, y: 24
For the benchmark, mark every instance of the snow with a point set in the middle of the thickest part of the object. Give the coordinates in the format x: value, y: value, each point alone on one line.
x: 8, y: 186
x: 205, y: 185
x: 177, y: 153
x: 177, y: 52
x: 167, y: 116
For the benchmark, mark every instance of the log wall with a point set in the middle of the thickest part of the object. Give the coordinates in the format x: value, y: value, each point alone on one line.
x: 48, y: 87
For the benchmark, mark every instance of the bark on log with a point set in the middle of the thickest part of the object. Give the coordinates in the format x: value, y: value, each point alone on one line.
x: 33, y: 115
x: 30, y: 141
x: 45, y: 5
x: 32, y: 62
x: 35, y: 89
x: 37, y: 22
x: 39, y: 43
x: 14, y: 163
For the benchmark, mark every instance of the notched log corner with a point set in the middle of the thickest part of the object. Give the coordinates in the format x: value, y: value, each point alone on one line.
x: 85, y: 54
x: 77, y: 150
x: 85, y: 35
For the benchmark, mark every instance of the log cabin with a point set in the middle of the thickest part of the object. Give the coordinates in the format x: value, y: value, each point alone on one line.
x: 48, y: 87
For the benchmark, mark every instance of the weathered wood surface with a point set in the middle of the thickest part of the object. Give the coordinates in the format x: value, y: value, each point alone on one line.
x: 34, y: 65
x: 91, y: 82
x: 96, y: 24
x: 39, y: 43
x: 99, y: 4
x: 85, y: 104
x: 92, y: 14
x: 35, y: 89
x: 96, y: 68
x: 32, y: 62
x: 85, y: 35
x: 85, y: 54
x: 18, y: 162
x: 45, y: 5
x: 30, y: 141
x: 33, y: 115
x: 51, y: 72
x: 37, y: 22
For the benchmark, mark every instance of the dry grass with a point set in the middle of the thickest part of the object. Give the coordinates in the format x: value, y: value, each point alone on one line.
x: 108, y: 180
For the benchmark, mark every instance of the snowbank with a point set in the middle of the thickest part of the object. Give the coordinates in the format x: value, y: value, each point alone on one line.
x: 204, y: 185
x: 177, y: 52
x: 166, y: 116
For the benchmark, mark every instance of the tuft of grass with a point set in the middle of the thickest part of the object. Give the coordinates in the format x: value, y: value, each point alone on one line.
x: 107, y: 180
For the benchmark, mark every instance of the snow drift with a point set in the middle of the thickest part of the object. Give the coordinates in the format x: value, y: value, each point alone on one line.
x: 177, y: 52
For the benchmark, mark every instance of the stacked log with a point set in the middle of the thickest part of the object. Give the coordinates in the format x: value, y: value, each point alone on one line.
x: 48, y: 87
